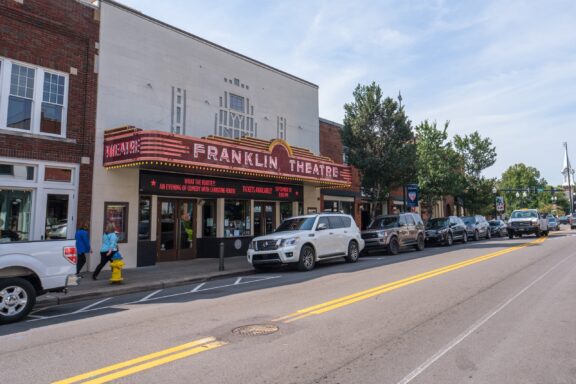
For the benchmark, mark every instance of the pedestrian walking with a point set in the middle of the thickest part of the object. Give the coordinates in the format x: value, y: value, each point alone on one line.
x: 82, y: 246
x: 109, y: 247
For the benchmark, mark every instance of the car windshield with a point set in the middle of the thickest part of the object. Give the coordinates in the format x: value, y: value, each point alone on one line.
x: 494, y: 223
x: 551, y: 219
x: 297, y: 224
x: 437, y: 223
x: 468, y: 220
x: 383, y: 222
x: 524, y: 215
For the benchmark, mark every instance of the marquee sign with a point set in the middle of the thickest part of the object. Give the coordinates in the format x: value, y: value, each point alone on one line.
x: 169, y: 184
x: 274, y: 159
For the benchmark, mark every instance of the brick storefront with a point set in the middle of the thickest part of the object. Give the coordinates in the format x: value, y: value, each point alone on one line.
x: 342, y: 200
x: 51, y: 38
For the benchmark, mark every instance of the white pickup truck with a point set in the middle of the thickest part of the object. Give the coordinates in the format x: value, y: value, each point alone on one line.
x: 30, y: 269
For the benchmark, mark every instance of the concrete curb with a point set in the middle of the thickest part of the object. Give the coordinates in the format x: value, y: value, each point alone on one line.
x: 48, y: 300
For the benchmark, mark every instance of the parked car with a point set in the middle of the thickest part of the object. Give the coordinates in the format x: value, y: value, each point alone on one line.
x: 394, y: 232
x: 572, y: 220
x: 553, y: 224
x: 527, y: 222
x: 446, y: 230
x: 305, y: 240
x: 498, y: 228
x: 477, y: 227
x: 563, y: 220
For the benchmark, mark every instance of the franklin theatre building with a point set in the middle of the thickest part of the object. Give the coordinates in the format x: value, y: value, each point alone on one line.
x: 198, y: 145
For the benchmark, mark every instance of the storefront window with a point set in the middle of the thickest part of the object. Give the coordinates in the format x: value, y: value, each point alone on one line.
x: 347, y: 207
x: 15, y: 214
x: 285, y: 210
x: 237, y: 218
x: 144, y: 218
x: 209, y: 218
x: 330, y: 206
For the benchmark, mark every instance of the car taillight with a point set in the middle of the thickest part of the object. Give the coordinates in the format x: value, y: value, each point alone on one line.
x: 70, y: 254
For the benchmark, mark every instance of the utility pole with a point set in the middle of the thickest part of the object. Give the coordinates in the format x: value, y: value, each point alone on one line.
x: 569, y: 172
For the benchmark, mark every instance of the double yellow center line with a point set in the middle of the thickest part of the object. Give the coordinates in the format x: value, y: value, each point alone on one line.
x: 359, y: 296
x: 142, y: 363
x: 152, y: 360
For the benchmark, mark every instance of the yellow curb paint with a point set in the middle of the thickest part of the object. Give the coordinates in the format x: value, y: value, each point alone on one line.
x: 363, y: 295
x: 138, y: 360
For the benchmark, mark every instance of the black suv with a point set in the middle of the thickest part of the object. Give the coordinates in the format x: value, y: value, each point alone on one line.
x: 393, y: 232
x: 446, y: 230
x: 477, y: 227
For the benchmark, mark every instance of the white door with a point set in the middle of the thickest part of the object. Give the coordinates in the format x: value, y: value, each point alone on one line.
x: 57, y: 215
x: 325, y: 244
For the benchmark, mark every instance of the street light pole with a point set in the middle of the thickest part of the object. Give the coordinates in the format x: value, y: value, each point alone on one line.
x: 569, y: 170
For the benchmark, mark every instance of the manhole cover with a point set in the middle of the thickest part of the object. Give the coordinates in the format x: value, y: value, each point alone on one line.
x: 255, y: 330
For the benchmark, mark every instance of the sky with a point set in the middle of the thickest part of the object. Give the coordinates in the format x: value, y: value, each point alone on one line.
x: 506, y: 69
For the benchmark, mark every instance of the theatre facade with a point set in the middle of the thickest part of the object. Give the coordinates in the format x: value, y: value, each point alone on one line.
x: 198, y: 145
x: 196, y: 193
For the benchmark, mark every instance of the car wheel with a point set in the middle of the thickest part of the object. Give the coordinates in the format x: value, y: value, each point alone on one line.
x: 17, y: 297
x: 476, y: 235
x: 393, y: 246
x: 510, y: 235
x: 353, y: 252
x: 449, y: 239
x: 307, y: 258
x: 420, y: 244
x: 465, y: 237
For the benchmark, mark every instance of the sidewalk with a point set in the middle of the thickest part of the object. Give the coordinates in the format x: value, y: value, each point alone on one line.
x: 162, y: 275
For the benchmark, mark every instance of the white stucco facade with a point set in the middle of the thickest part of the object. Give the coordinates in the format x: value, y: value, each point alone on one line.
x: 156, y: 77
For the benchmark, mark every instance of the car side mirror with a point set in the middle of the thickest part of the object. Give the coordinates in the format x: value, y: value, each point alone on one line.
x: 321, y: 227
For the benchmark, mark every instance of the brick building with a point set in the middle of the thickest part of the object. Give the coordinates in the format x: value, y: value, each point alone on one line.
x: 47, y: 116
x: 340, y: 200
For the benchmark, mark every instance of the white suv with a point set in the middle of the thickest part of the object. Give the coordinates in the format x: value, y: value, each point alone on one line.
x: 305, y: 240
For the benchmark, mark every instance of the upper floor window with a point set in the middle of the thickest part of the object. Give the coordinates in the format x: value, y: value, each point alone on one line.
x: 237, y: 103
x: 32, y: 99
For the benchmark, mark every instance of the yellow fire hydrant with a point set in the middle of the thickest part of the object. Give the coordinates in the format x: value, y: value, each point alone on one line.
x: 116, y: 266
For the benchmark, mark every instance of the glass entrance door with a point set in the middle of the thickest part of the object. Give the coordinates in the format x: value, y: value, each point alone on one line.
x: 263, y: 218
x: 58, y: 220
x: 176, y: 223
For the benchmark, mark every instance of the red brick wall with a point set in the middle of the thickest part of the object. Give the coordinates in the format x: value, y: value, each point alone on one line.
x: 56, y: 34
x: 331, y: 146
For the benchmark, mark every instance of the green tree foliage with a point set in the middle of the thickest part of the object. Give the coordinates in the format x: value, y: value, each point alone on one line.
x: 526, y: 180
x: 477, y: 154
x: 440, y: 169
x: 379, y: 141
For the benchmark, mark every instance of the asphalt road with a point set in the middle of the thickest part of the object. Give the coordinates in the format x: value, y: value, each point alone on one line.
x: 498, y: 311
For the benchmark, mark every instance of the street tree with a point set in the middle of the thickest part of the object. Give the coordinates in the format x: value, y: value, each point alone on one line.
x: 439, y: 168
x: 379, y: 141
x: 520, y: 184
x: 477, y: 154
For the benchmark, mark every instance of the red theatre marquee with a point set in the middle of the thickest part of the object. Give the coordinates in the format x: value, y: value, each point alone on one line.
x: 275, y: 159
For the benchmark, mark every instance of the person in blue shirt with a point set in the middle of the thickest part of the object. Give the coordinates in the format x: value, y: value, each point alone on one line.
x: 108, y: 249
x: 82, y: 246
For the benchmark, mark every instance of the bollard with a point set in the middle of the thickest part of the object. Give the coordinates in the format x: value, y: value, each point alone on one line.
x: 221, y: 265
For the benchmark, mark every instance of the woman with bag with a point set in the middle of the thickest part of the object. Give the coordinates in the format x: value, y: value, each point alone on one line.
x: 108, y: 249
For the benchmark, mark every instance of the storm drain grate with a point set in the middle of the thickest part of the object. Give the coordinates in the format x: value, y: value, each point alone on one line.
x: 255, y: 330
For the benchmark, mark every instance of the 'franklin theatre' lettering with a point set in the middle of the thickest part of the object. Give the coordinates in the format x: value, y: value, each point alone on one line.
x: 231, y: 156
x: 313, y: 169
